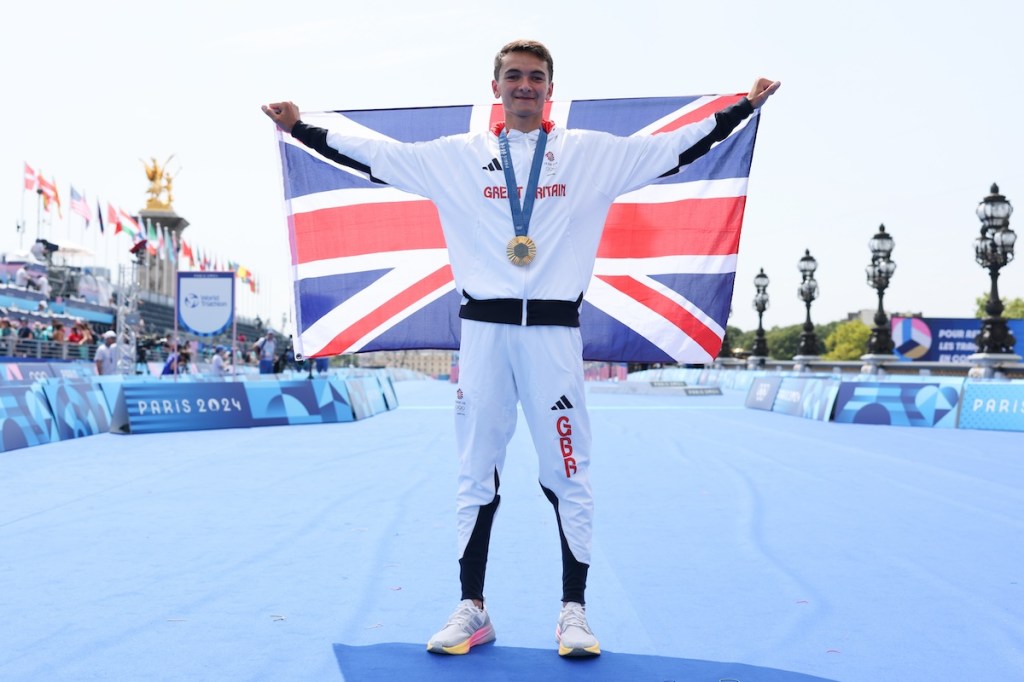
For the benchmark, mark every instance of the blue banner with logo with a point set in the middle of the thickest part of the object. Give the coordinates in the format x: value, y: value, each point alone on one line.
x: 761, y: 394
x: 78, y: 406
x: 206, y: 302
x: 943, y: 339
x: 810, y: 397
x: 997, y: 406
x: 930, y: 404
x: 25, y: 417
x: 159, y: 406
x: 274, y: 403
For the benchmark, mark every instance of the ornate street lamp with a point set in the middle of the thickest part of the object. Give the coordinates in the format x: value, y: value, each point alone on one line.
x: 993, y: 249
x: 808, y: 291
x: 760, y: 350
x: 879, y: 273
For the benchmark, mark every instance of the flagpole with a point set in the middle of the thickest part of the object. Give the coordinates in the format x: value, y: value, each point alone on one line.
x: 39, y: 212
x: 21, y: 222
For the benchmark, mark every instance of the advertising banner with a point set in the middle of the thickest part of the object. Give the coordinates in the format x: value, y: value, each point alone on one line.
x: 943, y: 339
x: 25, y: 417
x: 762, y: 392
x: 929, y: 404
x: 160, y: 406
x: 332, y: 396
x: 79, y: 408
x: 996, y: 406
x: 275, y: 403
x: 810, y: 398
x: 26, y: 371
x: 206, y: 302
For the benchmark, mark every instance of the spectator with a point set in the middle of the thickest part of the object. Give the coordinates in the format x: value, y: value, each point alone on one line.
x: 59, y: 340
x: 36, y: 281
x: 88, y: 339
x: 25, y: 337
x: 106, y: 354
x: 8, y: 337
x: 218, y: 363
x: 171, y: 365
x: 264, y: 351
x: 322, y: 364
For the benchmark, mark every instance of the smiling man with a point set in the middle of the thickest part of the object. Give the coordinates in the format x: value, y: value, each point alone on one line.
x: 522, y: 207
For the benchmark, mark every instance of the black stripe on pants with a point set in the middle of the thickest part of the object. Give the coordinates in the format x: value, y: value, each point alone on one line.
x: 473, y: 564
x: 574, y: 573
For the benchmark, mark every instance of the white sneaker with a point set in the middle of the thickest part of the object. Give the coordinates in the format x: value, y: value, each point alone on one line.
x: 467, y: 627
x: 573, y: 633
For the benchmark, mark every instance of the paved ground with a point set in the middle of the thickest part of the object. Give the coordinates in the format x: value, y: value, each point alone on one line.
x: 730, y: 544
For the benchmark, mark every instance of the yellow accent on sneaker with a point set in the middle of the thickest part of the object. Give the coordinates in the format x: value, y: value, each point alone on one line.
x: 467, y: 627
x: 573, y: 632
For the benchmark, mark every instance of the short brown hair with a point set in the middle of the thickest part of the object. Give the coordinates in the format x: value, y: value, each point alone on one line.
x: 534, y: 47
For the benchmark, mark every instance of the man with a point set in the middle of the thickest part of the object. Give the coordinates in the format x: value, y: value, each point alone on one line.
x: 522, y: 267
x: 218, y: 367
x: 106, y: 354
x: 264, y: 350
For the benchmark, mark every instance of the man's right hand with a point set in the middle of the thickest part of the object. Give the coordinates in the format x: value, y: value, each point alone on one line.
x: 284, y: 114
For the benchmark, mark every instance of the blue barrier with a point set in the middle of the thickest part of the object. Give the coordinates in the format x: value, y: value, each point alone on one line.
x: 61, y: 404
x: 993, y: 406
x: 809, y: 397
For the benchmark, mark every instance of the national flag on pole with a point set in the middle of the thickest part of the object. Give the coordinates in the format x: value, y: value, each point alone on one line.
x: 50, y: 194
x: 186, y: 252
x: 662, y: 284
x: 123, y: 222
x: 30, y: 178
x: 151, y: 238
x: 80, y: 206
x: 99, y: 215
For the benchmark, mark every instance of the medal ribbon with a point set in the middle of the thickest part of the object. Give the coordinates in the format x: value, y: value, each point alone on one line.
x: 521, y: 214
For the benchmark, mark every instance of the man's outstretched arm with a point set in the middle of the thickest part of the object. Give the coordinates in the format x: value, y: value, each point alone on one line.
x: 286, y: 116
x: 726, y: 121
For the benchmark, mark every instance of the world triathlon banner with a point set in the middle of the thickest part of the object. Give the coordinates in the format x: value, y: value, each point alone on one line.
x: 206, y: 302
x: 943, y: 339
x: 371, y: 270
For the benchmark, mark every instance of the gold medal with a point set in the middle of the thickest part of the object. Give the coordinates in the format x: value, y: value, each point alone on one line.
x: 521, y: 250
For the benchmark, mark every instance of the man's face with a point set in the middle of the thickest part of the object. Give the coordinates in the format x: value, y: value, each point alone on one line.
x: 523, y: 84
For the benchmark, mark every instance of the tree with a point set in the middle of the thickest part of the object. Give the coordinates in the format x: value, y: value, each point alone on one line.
x: 783, y: 342
x: 730, y: 341
x: 1013, y: 308
x: 848, y: 341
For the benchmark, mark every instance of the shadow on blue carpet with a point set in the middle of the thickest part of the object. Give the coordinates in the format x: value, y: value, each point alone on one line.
x: 411, y: 663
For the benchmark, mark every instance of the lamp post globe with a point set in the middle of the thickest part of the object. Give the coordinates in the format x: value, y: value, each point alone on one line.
x: 760, y: 350
x: 879, y: 272
x: 993, y: 249
x: 807, y: 292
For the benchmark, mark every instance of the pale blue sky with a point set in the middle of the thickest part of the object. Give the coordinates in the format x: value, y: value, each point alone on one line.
x: 898, y: 111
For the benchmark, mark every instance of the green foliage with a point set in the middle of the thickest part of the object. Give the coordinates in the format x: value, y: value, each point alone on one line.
x: 1013, y: 308
x: 783, y: 341
x: 847, y: 341
x: 744, y: 340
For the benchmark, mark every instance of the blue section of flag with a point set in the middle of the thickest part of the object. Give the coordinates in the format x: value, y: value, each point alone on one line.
x: 415, y: 125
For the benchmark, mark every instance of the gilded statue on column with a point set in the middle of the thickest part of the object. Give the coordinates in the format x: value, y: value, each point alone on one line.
x: 160, y: 184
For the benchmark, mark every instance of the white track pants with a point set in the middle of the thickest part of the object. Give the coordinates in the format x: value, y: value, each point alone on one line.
x: 540, y: 367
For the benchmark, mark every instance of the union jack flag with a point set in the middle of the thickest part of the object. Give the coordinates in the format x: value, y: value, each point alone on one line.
x: 370, y: 268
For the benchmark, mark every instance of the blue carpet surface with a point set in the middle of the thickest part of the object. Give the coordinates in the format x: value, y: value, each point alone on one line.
x: 730, y: 544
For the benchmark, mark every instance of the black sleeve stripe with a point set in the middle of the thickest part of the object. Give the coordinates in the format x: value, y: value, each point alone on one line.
x: 316, y: 139
x: 726, y: 121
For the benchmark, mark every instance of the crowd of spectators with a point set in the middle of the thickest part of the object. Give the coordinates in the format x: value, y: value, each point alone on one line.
x: 45, y: 336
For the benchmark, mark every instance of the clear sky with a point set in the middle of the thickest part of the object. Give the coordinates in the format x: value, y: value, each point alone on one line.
x: 900, y: 112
